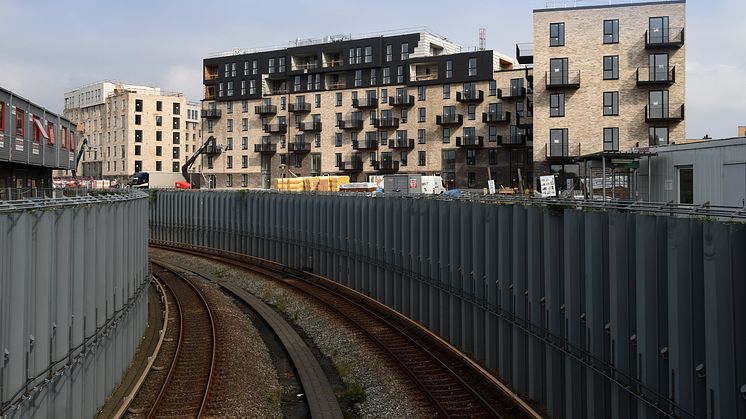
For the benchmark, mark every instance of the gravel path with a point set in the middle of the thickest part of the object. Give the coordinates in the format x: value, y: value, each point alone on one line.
x: 376, y: 387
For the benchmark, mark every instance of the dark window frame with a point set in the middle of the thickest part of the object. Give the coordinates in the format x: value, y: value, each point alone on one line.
x: 557, y: 40
x: 611, y: 102
x: 611, y: 31
x: 611, y: 73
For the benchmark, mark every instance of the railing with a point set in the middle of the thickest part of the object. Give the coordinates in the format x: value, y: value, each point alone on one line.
x: 470, y: 96
x: 211, y: 113
x: 299, y: 107
x: 351, y: 166
x: 306, y: 66
x: 299, y: 147
x: 513, y: 140
x: 368, y: 102
x: 511, y: 93
x: 495, y: 117
x: 265, y: 148
x: 386, y: 165
x: 401, y: 143
x: 365, y: 144
x: 469, y: 141
x: 664, y: 38
x: 265, y: 109
x: 562, y: 151
x: 456, y: 119
x: 401, y: 100
x: 334, y: 63
x: 386, y: 122
x: 559, y: 80
x: 309, y: 126
x: 524, y: 53
x: 20, y: 199
x: 336, y: 86
x: 211, y: 76
x: 275, y: 128
x: 524, y: 121
x: 663, y: 113
x: 278, y: 91
x: 425, y: 77
x: 350, y: 124
x: 654, y: 76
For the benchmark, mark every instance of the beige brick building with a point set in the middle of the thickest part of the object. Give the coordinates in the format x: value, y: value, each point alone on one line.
x: 608, y: 78
x: 133, y: 128
x: 411, y: 103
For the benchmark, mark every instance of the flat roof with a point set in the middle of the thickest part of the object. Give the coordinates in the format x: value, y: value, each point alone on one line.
x: 720, y: 142
x: 603, y: 6
x: 60, y: 115
x: 615, y: 155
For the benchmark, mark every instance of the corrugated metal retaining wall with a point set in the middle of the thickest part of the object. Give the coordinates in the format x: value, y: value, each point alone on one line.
x: 592, y: 314
x: 73, y: 302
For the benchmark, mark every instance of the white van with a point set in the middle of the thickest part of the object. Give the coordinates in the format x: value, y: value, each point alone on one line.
x: 432, y: 185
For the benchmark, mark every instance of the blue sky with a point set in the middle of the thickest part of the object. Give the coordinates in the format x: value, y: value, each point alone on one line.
x: 64, y: 44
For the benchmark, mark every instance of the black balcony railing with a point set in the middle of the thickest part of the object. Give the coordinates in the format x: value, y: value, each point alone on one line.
x: 386, y: 165
x: 275, y: 128
x: 299, y: 107
x: 211, y: 113
x: 401, y: 143
x: 495, y: 117
x: 401, y: 100
x: 513, y: 140
x: 563, y: 80
x: 310, y: 126
x: 354, y: 165
x: 524, y: 121
x: 655, y: 76
x: 455, y: 119
x: 351, y: 124
x: 670, y: 38
x: 265, y: 148
x: 562, y: 151
x: 470, y: 96
x: 470, y: 141
x: 524, y: 53
x: 365, y: 144
x: 368, y: 102
x: 265, y: 110
x: 512, y: 93
x: 664, y: 113
x: 299, y: 147
x: 386, y: 122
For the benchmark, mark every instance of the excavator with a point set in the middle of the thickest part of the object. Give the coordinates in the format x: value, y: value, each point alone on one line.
x: 83, y: 144
x: 192, y: 181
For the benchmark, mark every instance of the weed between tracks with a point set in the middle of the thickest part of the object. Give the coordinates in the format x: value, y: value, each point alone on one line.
x: 355, y: 391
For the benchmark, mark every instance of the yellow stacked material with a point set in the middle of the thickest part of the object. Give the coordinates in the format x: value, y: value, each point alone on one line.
x: 289, y: 184
x: 324, y: 184
x: 311, y: 183
x: 335, y: 181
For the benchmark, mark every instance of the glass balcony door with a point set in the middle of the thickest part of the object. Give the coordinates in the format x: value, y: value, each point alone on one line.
x: 658, y: 104
x: 658, y: 67
x: 658, y: 30
x: 557, y: 71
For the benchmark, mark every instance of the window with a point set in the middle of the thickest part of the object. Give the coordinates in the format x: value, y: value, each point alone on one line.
x: 358, y: 78
x: 386, y: 75
x: 611, y: 139
x: 556, y: 34
x: 611, y: 103
x: 244, y: 124
x: 339, y: 99
x: 229, y: 162
x: 449, y: 69
x: 446, y: 135
x: 138, y: 165
x: 296, y: 83
x: 557, y: 104
x: 558, y: 71
x: 685, y: 175
x: 138, y: 105
x: 400, y: 74
x: 315, y: 164
x: 299, y: 160
x: 389, y: 53
x: 220, y: 89
x: 281, y: 64
x: 176, y: 123
x: 471, y: 179
x: 229, y: 107
x: 271, y: 66
x: 405, y: 51
x: 421, y: 93
x: 283, y: 103
x: 138, y: 135
x: 421, y: 136
x: 471, y: 111
x: 158, y: 151
x: 338, y: 139
x: 385, y: 95
x: 244, y: 180
x: 446, y: 91
x: 176, y: 138
x: 658, y: 135
x: 492, y: 134
x: 50, y: 133
x: 558, y: 145
x: 309, y: 84
x: 228, y: 180
x: 252, y: 87
x: 472, y: 67
x: 421, y: 158
x: 20, y: 123
x: 244, y: 143
x: 245, y: 106
x: 337, y: 159
x: 611, y: 67
x: 403, y: 158
x: 493, y: 88
x: 403, y: 115
x: 229, y: 125
x: 368, y: 54
x: 372, y: 76
x: 492, y: 156
x: 471, y: 157
x: 254, y: 67
x: 138, y: 119
x: 233, y: 69
x: 611, y: 31
x: 230, y: 88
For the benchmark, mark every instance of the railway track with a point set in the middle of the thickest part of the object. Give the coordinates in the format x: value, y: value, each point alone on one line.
x: 186, y: 388
x: 442, y: 374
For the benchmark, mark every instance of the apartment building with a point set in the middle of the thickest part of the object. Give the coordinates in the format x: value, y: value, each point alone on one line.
x: 400, y: 103
x: 129, y: 128
x: 609, y: 78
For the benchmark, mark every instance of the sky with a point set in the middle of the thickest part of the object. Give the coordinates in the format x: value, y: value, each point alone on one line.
x: 52, y: 46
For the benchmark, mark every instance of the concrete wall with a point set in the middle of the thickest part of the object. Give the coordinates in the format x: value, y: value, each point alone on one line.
x: 73, y: 302
x: 591, y: 314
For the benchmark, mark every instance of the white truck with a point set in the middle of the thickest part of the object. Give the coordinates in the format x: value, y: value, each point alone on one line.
x: 413, y: 184
x: 154, y: 180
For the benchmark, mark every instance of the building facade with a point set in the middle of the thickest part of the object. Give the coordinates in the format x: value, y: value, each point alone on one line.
x: 410, y: 103
x: 132, y: 129
x: 608, y: 78
x: 33, y: 142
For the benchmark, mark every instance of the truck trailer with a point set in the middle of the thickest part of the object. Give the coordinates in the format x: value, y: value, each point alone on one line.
x: 155, y: 180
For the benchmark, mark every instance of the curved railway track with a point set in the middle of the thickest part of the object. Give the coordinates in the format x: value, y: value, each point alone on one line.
x: 453, y: 386
x: 186, y: 388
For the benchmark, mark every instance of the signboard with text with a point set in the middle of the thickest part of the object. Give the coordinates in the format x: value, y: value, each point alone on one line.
x: 547, y: 186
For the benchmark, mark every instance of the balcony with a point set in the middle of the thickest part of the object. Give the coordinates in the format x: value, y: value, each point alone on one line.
x: 386, y: 166
x: 401, y: 100
x: 445, y: 120
x: 513, y: 140
x: 299, y: 147
x: 310, y: 126
x: 368, y: 102
x: 365, y: 145
x: 471, y: 96
x: 670, y: 38
x: 211, y: 148
x: 386, y: 122
x: 562, y: 153
x: 647, y: 76
x: 403, y: 143
x: 275, y: 128
x: 665, y: 113
x: 524, y: 53
x: 354, y: 165
x: 265, y: 148
x: 350, y: 124
x: 524, y: 121
x: 265, y: 110
x: 562, y: 81
x: 336, y: 85
x: 210, y: 73
x: 470, y: 141
x: 496, y: 117
x: 211, y: 113
x: 512, y: 93
x: 302, y: 107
